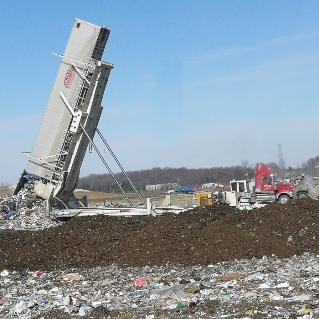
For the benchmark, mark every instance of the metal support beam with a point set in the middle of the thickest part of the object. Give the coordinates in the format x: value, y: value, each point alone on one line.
x: 80, y: 73
x: 118, y: 163
x: 104, y: 162
x: 82, y: 76
x: 66, y: 103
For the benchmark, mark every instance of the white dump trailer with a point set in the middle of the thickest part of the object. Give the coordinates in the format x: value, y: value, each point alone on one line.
x: 69, y: 125
x: 73, y: 111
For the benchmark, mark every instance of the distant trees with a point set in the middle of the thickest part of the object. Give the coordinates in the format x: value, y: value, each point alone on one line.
x: 187, y: 177
x: 310, y: 167
x: 182, y: 176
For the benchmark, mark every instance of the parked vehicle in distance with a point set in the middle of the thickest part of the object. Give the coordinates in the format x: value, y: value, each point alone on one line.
x: 185, y: 190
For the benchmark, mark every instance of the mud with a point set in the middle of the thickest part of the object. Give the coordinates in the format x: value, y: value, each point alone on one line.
x: 202, y: 236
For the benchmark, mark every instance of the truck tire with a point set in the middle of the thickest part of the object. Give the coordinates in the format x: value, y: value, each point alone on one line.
x: 283, y: 199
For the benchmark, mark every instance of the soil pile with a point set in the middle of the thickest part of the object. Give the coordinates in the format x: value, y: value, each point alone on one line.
x: 204, y: 235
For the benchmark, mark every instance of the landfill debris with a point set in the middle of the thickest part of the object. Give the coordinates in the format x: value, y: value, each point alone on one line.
x: 112, y: 291
x: 140, y: 282
x: 211, y: 262
x: 24, y: 211
x: 69, y: 277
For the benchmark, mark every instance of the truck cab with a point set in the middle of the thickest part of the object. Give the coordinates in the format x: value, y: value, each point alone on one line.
x: 243, y: 186
x: 268, y: 189
x: 240, y: 191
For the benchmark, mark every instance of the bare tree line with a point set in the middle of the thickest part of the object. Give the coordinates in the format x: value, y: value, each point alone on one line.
x: 187, y: 177
x: 183, y: 177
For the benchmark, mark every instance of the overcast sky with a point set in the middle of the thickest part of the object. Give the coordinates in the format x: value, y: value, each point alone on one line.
x: 195, y: 84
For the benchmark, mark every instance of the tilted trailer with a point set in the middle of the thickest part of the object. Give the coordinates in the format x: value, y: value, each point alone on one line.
x: 68, y: 128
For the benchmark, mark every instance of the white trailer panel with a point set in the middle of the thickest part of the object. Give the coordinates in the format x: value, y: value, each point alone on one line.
x: 86, y: 41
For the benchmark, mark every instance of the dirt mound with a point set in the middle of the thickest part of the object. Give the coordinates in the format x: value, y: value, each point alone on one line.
x: 204, y: 235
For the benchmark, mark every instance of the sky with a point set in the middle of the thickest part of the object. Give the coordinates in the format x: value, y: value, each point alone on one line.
x: 196, y: 83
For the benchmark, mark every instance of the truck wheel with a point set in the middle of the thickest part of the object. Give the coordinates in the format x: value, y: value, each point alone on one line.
x: 283, y: 199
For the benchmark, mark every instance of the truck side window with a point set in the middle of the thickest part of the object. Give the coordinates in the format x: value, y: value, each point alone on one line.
x: 241, y: 187
x: 234, y: 187
x: 266, y: 179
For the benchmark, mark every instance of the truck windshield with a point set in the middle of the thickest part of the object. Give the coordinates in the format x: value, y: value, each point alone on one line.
x: 241, y: 187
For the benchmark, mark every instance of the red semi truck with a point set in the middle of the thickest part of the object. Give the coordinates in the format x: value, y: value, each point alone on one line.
x: 265, y: 188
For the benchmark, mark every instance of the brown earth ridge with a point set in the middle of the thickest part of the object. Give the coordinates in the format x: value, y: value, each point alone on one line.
x: 202, y: 236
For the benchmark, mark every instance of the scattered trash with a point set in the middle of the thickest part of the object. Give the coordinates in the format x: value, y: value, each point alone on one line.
x: 69, y: 277
x: 24, y: 211
x: 113, y: 290
x: 140, y: 282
